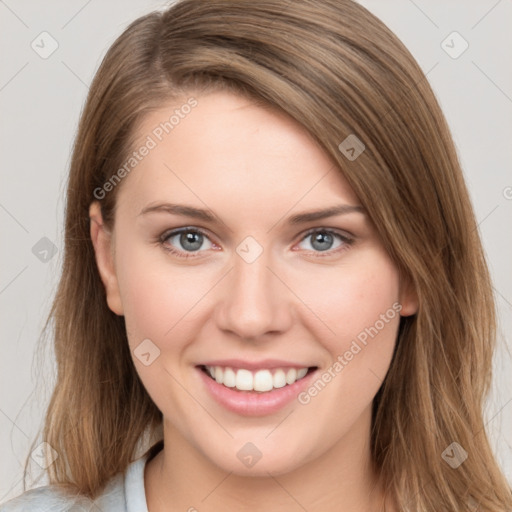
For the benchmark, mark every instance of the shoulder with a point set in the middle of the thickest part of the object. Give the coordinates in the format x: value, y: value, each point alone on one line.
x: 43, y: 499
x: 54, y: 499
x: 123, y: 493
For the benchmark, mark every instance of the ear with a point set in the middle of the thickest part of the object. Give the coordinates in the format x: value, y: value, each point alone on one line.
x: 103, y: 248
x: 408, y: 297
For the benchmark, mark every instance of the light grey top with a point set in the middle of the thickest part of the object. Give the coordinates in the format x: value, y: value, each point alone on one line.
x: 124, y: 493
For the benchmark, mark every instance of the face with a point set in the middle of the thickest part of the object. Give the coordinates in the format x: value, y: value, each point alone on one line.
x: 258, y: 331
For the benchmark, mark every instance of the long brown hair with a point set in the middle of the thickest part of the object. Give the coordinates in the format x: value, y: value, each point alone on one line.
x: 339, y: 71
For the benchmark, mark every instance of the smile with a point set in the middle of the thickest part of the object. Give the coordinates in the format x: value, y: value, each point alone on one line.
x: 261, y: 380
x: 257, y: 390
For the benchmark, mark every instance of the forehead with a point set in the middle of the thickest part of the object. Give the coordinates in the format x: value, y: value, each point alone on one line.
x: 226, y: 149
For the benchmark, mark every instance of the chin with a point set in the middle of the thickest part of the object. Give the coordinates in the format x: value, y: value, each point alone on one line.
x: 259, y: 459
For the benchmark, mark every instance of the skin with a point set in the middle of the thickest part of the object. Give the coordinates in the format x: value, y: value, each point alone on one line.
x: 253, y: 168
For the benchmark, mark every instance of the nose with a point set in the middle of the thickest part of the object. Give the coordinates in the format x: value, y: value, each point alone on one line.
x: 253, y: 301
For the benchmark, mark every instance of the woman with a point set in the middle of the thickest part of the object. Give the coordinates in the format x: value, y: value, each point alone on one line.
x: 272, y: 268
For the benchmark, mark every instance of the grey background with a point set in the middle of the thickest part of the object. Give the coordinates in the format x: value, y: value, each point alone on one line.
x: 41, y: 99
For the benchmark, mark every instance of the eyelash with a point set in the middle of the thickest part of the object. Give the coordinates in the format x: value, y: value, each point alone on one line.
x: 347, y: 241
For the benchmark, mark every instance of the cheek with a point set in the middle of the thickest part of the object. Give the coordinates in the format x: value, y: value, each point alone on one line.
x: 161, y: 304
x: 361, y: 307
x: 155, y: 297
x: 350, y: 299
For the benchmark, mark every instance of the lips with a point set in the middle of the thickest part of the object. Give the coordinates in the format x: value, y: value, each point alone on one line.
x: 254, y: 388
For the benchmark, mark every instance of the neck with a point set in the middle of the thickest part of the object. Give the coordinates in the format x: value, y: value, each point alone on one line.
x: 342, y: 479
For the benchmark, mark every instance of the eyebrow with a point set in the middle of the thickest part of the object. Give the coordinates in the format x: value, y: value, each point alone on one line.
x: 207, y: 216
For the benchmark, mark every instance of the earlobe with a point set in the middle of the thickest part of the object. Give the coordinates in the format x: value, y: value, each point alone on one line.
x: 102, y: 243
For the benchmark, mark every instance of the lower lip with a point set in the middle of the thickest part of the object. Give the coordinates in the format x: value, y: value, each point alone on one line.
x: 253, y: 403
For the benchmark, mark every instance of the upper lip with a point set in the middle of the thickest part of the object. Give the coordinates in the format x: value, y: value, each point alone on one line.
x: 254, y: 365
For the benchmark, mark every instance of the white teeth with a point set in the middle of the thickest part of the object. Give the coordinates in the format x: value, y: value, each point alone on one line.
x: 279, y: 379
x: 301, y: 373
x: 261, y: 380
x: 244, y: 380
x: 291, y: 376
x: 229, y: 378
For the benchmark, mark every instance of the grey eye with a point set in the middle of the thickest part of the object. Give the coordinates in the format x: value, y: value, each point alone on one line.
x: 188, y: 240
x: 323, y: 240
